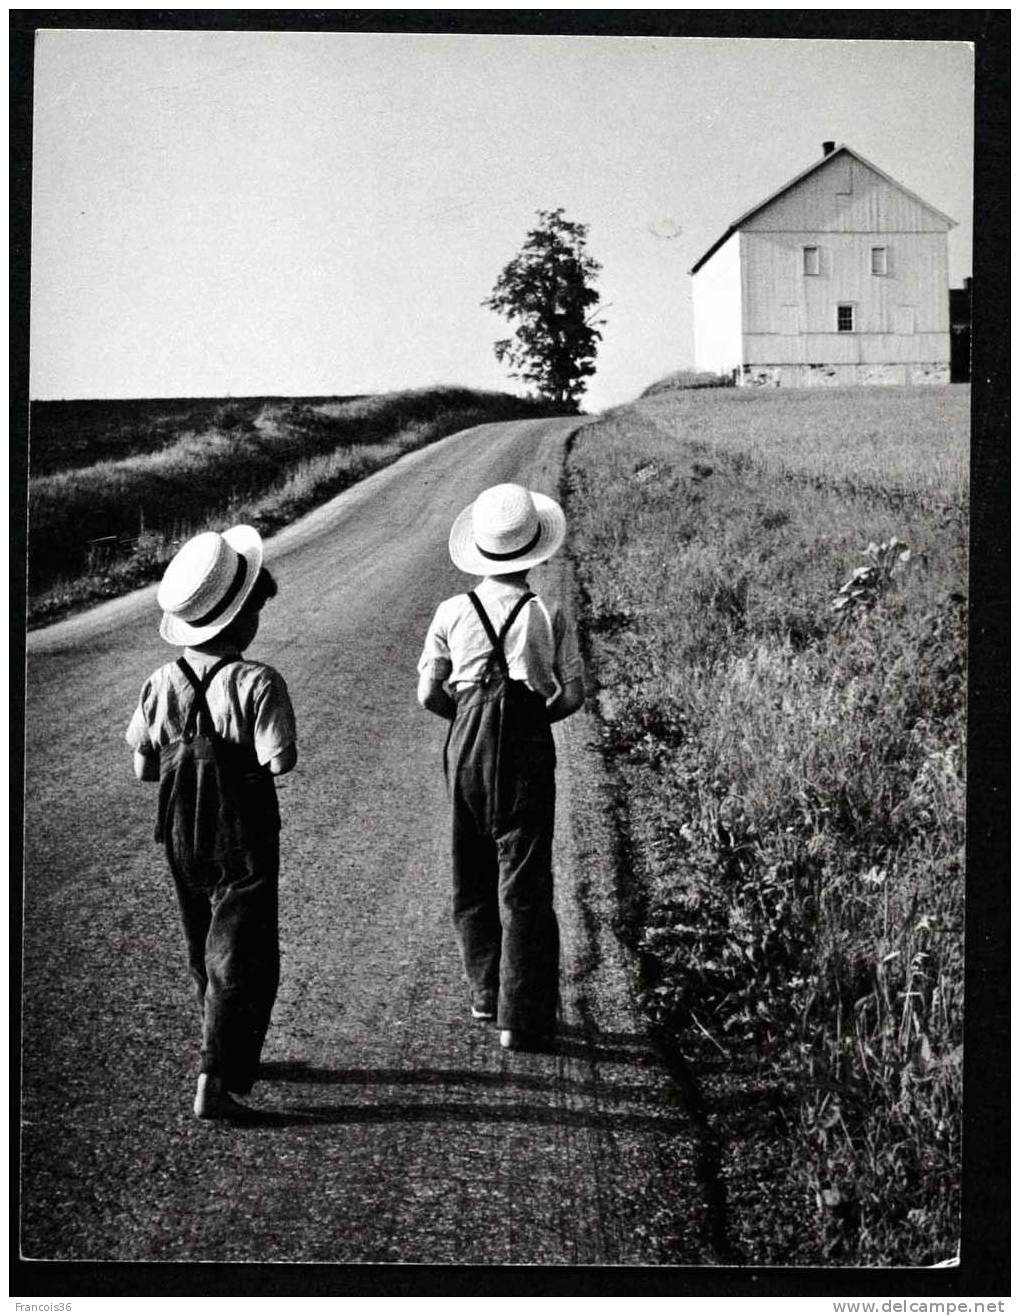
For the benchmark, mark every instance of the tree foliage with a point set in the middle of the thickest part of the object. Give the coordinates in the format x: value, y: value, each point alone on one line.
x: 547, y: 289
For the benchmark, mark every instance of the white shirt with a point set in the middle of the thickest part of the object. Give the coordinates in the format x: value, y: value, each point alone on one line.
x: 248, y: 702
x: 541, y: 649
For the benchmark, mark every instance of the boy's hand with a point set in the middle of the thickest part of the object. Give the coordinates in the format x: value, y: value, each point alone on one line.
x: 146, y: 765
x: 283, y: 762
x: 433, y: 695
x: 568, y: 701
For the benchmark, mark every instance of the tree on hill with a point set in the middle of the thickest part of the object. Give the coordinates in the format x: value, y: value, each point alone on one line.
x: 547, y: 289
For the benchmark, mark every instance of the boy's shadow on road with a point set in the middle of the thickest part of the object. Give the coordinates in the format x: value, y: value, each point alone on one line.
x: 607, y: 1097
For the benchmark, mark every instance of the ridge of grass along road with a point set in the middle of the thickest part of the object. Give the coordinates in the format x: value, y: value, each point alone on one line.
x: 100, y: 530
x: 791, y: 792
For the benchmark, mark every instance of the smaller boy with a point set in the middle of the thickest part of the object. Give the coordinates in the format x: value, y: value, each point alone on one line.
x: 501, y: 666
x: 215, y: 728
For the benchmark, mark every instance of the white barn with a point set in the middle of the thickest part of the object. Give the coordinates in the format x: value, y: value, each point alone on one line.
x: 840, y: 277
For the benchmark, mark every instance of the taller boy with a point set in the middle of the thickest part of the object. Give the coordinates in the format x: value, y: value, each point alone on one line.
x: 501, y: 666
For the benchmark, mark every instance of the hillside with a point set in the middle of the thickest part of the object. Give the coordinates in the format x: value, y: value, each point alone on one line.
x: 774, y: 604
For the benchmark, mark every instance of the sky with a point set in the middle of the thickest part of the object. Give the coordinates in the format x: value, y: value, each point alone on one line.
x: 310, y: 213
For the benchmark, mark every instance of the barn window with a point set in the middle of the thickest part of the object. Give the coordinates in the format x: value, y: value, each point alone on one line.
x: 812, y: 261
x: 880, y: 260
x: 845, y: 318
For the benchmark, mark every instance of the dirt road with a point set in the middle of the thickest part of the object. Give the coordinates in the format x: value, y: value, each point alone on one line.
x: 399, y: 1130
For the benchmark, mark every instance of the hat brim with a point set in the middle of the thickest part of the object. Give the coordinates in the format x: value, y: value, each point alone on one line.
x: 247, y: 541
x: 467, y: 557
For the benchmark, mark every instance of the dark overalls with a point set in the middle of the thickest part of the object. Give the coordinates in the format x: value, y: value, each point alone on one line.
x: 500, y: 764
x: 219, y: 822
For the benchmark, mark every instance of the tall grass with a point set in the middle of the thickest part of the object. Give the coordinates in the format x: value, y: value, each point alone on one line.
x: 793, y: 780
x: 100, y: 529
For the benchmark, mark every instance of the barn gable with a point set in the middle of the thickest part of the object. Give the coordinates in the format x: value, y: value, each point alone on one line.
x: 841, y: 193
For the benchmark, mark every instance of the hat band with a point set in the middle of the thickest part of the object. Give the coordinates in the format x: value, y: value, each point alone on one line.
x: 233, y: 589
x: 517, y: 552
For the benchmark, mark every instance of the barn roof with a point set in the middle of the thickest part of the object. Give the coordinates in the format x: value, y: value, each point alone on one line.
x: 839, y: 150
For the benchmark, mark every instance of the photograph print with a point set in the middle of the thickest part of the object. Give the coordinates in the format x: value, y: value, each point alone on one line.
x: 499, y: 530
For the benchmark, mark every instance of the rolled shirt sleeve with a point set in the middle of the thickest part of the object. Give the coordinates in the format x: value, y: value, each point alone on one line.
x: 569, y: 666
x: 435, y: 660
x: 275, y: 727
x: 137, y: 734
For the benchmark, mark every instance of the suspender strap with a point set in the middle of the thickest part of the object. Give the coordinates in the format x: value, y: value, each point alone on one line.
x: 504, y: 630
x: 199, y: 704
x: 483, y: 617
x: 497, y: 641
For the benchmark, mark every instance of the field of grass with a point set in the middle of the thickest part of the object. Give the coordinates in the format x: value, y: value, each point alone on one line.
x: 908, y: 442
x: 68, y: 435
x: 115, y: 487
x: 774, y: 603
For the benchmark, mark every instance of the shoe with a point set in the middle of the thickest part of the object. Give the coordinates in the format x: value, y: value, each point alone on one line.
x: 214, y: 1102
x: 515, y: 1039
x: 482, y: 1012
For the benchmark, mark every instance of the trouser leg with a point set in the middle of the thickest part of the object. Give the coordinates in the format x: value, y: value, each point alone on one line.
x: 476, y: 902
x: 196, y: 913
x: 529, y: 970
x: 242, y: 963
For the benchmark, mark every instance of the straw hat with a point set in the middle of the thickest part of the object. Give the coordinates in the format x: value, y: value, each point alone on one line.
x: 207, y: 583
x: 507, y: 528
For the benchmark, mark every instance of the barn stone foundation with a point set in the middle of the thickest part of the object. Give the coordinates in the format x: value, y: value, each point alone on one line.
x: 841, y: 374
x: 929, y: 372
x: 761, y: 376
x: 882, y: 374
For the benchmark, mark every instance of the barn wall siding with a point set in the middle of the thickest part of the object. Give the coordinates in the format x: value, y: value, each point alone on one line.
x: 773, y: 280
x: 716, y: 297
x: 869, y: 349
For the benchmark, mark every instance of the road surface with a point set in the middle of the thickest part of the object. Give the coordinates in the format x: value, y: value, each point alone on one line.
x: 396, y: 1129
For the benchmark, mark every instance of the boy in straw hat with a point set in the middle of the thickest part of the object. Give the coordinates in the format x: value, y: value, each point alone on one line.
x: 501, y: 666
x: 215, y: 728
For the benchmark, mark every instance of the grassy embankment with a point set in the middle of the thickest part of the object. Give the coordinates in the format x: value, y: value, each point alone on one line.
x: 792, y: 783
x: 117, y: 486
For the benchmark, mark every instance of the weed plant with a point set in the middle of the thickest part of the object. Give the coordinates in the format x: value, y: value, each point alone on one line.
x: 101, y: 529
x: 792, y: 773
